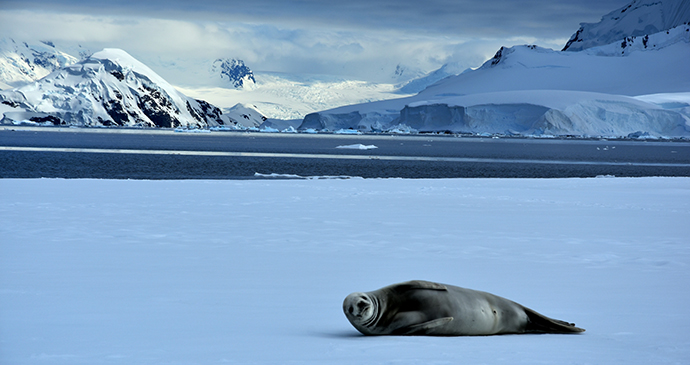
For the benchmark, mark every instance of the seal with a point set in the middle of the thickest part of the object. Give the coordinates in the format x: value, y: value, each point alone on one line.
x: 431, y: 309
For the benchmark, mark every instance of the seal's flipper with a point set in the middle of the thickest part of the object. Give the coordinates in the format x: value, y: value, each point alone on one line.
x: 420, y: 284
x: 422, y: 328
x: 539, y: 323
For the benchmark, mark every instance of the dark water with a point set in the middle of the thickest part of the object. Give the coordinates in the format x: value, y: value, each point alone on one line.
x: 130, y: 156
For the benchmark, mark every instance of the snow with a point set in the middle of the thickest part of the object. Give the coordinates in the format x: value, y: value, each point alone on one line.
x: 283, y: 96
x: 603, y: 69
x: 246, y: 115
x: 24, y: 62
x: 637, y: 18
x: 254, y: 272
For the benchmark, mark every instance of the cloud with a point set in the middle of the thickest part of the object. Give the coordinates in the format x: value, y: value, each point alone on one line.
x: 494, y: 18
x: 365, y: 39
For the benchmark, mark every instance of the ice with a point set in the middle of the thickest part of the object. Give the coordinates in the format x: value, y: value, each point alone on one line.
x: 347, y: 131
x: 358, y: 146
x: 192, y: 130
x: 268, y: 130
x: 255, y: 272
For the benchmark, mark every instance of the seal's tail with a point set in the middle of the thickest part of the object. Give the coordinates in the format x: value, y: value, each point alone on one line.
x: 539, y: 323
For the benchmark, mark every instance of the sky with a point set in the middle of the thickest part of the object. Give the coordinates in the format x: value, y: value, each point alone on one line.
x: 361, y: 39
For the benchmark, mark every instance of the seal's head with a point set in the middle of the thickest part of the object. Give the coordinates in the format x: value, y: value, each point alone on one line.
x: 360, y: 309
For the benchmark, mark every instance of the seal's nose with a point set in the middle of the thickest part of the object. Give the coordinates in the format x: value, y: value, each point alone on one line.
x: 355, y: 304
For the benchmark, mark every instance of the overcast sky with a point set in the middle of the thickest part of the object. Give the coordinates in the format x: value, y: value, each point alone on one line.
x: 364, y: 39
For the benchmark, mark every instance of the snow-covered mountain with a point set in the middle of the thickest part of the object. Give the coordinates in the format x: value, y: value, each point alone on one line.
x: 109, y: 88
x: 636, y: 85
x: 636, y: 19
x: 626, y: 68
x: 248, y: 116
x: 403, y: 74
x: 233, y: 71
x: 22, y: 62
x: 420, y: 83
x: 226, y: 82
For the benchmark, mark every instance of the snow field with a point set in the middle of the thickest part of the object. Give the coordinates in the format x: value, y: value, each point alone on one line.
x: 254, y: 272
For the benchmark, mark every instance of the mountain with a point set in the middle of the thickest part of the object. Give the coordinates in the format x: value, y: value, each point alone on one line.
x: 528, y: 90
x: 638, y: 18
x: 233, y: 71
x: 226, y: 82
x: 109, y: 88
x: 248, y: 116
x: 22, y: 62
x: 292, y: 96
x: 626, y: 68
x: 418, y: 84
x: 403, y: 73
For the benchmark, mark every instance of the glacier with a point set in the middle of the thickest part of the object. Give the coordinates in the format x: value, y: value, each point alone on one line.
x: 523, y: 112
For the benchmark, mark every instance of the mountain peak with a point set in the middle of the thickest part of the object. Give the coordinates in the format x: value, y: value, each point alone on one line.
x: 234, y: 71
x: 638, y: 18
x: 23, y: 62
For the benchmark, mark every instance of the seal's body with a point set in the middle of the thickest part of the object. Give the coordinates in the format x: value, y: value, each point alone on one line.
x: 426, y: 308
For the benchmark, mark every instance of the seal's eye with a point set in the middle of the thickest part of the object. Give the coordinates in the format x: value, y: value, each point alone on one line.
x: 361, y: 305
x: 351, y: 310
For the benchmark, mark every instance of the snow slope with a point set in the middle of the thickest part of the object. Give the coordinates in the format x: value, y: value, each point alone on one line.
x: 255, y: 272
x: 632, y: 69
x: 110, y: 88
x: 636, y: 19
x: 416, y: 85
x: 21, y: 62
x: 246, y: 115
